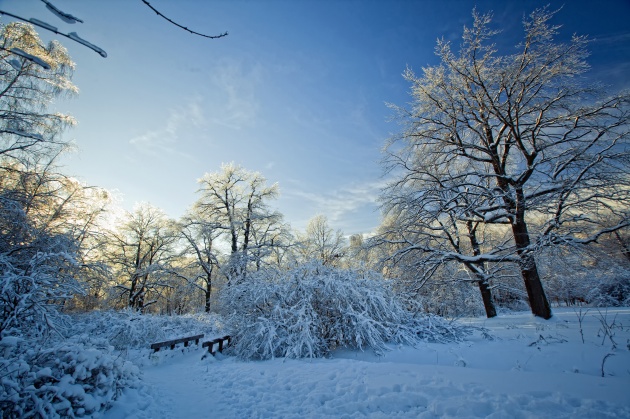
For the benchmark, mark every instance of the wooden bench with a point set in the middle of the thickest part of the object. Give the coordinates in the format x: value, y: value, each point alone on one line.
x: 217, y: 344
x: 156, y: 346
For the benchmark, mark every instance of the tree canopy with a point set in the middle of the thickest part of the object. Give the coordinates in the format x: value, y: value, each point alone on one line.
x: 516, y: 140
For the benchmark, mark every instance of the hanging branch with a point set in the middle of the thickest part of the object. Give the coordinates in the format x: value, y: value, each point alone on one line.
x: 66, y: 17
x: 47, y: 26
x: 183, y: 27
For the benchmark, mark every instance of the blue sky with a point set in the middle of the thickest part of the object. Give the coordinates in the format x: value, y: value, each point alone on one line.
x: 297, y: 91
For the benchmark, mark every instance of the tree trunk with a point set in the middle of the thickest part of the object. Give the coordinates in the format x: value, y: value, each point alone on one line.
x: 536, y: 294
x: 486, y: 296
x: 133, y: 291
x: 208, y: 293
x: 484, y: 288
x: 624, y: 246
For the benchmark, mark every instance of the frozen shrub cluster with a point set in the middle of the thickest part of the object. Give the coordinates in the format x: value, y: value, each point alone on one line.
x: 312, y: 309
x: 74, y: 378
x: 37, y: 270
x: 611, y: 292
x: 128, y: 329
x: 432, y: 328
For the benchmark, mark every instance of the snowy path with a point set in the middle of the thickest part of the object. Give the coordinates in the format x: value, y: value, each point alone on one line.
x: 559, y: 380
x: 192, y: 388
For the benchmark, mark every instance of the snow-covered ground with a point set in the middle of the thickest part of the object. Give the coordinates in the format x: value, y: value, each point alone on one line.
x: 532, y: 368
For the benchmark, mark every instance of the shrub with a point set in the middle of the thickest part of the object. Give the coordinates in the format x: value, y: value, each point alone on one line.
x: 75, y: 378
x: 613, y: 291
x: 308, y: 311
x: 128, y: 329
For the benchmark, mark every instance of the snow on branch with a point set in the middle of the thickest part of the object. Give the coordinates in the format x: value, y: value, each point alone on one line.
x: 183, y: 27
x: 66, y: 17
x: 34, y: 136
x: 72, y: 35
x: 76, y: 38
x: 30, y: 57
x: 550, y: 239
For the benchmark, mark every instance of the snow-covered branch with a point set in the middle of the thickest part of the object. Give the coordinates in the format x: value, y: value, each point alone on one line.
x: 72, y: 35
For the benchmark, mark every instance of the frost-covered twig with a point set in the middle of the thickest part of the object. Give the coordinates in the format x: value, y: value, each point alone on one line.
x: 546, y: 340
x: 607, y: 328
x: 580, y: 317
x: 604, y: 361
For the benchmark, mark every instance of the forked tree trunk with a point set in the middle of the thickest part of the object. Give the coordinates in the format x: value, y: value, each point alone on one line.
x: 535, y: 292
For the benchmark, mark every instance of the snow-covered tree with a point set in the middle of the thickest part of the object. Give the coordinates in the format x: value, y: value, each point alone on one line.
x: 26, y: 91
x: 428, y: 223
x: 140, y: 252
x: 37, y: 269
x: 57, y: 205
x: 201, y: 242
x: 321, y: 242
x: 272, y: 242
x: 531, y: 146
x: 47, y: 217
x: 235, y: 201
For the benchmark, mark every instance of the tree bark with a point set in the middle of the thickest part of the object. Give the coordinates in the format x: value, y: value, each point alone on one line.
x: 538, y: 302
x: 536, y: 294
x: 486, y: 296
x: 624, y: 246
x: 208, y: 292
x: 484, y: 287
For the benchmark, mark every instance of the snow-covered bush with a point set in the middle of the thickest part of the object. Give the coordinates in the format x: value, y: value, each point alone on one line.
x: 128, y: 329
x: 36, y: 271
x: 611, y: 292
x: 74, y: 378
x: 312, y: 309
x: 450, y: 298
x: 432, y: 328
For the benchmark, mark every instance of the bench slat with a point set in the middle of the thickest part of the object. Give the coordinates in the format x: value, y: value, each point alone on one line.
x: 156, y: 346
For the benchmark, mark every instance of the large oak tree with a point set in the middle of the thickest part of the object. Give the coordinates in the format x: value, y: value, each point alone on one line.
x: 518, y: 139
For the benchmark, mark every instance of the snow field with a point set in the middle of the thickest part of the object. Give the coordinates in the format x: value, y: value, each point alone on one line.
x: 516, y: 375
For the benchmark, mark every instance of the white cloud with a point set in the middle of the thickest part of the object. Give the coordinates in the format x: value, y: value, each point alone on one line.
x: 341, y: 203
x: 167, y: 139
x: 235, y: 94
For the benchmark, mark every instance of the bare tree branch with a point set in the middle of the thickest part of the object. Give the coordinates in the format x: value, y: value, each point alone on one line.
x: 183, y: 27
